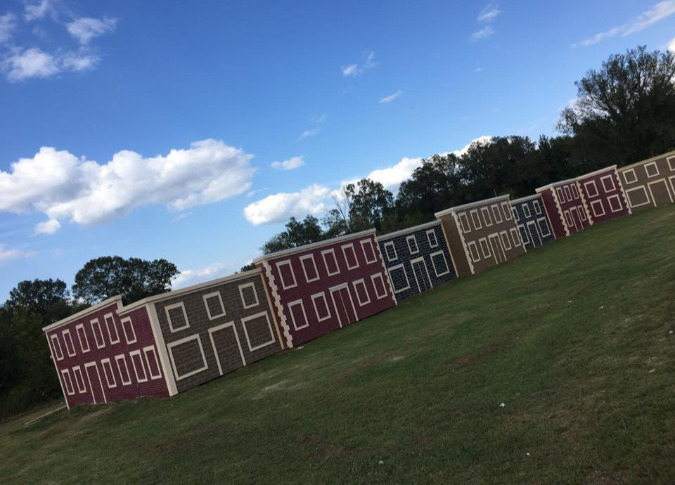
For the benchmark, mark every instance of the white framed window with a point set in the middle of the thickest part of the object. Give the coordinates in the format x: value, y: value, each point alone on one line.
x: 194, y: 365
x: 597, y: 208
x: 68, y: 340
x: 108, y: 373
x: 139, y: 366
x: 286, y: 274
x: 309, y: 268
x: 638, y: 196
x: 568, y: 218
x: 473, y: 250
x: 475, y: 218
x: 368, y: 251
x: 561, y: 195
x: 67, y: 382
x: 177, y: 317
x: 213, y: 302
x: 379, y: 285
x: 98, y: 333
x: 652, y: 169
x: 671, y: 163
x: 82, y: 337
x: 390, y: 251
x: 484, y: 247
x: 516, y: 215
x: 321, y: 308
x: 431, y: 237
x: 249, y: 295
x: 109, y: 320
x: 505, y: 240
x: 497, y: 214
x: 608, y: 183
x: 591, y: 188
x: 349, y: 254
x: 330, y: 261
x: 575, y: 191
x: 123, y: 368
x: 537, y: 207
x: 544, y: 227
x: 526, y: 211
x: 523, y: 234
x: 485, y: 212
x: 582, y: 213
x: 399, y: 278
x: 79, y: 379
x: 515, y: 236
x: 128, y: 329
x: 506, y: 208
x: 614, y: 203
x: 152, y: 362
x: 298, y: 315
x: 258, y: 319
x: 412, y: 244
x: 568, y: 192
x: 464, y: 221
x: 361, y: 291
x: 440, y: 263
x: 629, y: 176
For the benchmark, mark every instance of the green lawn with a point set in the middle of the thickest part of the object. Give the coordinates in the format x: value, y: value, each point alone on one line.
x: 577, y: 339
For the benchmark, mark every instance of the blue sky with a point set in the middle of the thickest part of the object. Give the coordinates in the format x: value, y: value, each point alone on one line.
x: 193, y: 132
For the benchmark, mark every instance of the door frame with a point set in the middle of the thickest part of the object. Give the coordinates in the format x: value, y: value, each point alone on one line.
x: 528, y: 224
x: 332, y: 291
x: 496, y: 237
x: 98, y: 374
x: 426, y: 270
x: 665, y: 184
x: 213, y: 343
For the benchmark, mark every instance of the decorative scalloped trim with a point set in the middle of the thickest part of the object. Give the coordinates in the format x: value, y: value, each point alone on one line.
x: 385, y: 270
x: 560, y: 213
x: 585, y: 205
x: 277, y: 303
x: 461, y: 237
x: 623, y: 194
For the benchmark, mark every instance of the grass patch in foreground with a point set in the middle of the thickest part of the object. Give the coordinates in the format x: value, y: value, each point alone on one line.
x: 575, y: 338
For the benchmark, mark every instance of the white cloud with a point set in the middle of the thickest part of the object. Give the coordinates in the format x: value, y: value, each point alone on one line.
x: 481, y: 140
x: 7, y: 255
x: 29, y: 63
x: 391, y: 97
x: 483, y: 33
x: 646, y: 19
x: 290, y: 164
x: 67, y: 188
x: 391, y: 177
x: 195, y: 276
x: 353, y: 70
x: 671, y: 45
x: 280, y: 207
x: 48, y: 227
x: 308, y: 133
x: 36, y: 11
x: 7, y: 27
x: 489, y: 13
x: 85, y: 29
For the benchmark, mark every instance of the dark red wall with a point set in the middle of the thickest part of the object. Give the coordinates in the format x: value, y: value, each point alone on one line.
x: 604, y: 195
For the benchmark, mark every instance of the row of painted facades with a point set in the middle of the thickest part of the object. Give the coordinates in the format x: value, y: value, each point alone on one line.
x: 169, y: 343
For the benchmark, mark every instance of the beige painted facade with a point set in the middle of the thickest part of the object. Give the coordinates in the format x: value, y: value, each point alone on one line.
x: 649, y: 183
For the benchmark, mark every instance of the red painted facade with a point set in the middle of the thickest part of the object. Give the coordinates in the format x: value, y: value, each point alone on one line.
x: 325, y: 286
x: 603, y: 194
x: 565, y: 207
x: 101, y: 358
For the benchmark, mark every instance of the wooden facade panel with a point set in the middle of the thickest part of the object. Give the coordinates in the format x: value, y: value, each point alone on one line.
x: 533, y: 222
x: 649, y: 183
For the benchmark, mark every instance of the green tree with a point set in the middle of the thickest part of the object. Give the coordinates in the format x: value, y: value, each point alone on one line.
x: 132, y: 278
x: 47, y: 298
x: 369, y: 203
x: 297, y: 233
x: 624, y: 111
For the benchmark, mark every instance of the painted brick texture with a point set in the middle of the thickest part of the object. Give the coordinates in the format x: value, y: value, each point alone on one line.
x: 604, y: 195
x: 565, y: 207
x: 649, y: 183
x: 533, y: 223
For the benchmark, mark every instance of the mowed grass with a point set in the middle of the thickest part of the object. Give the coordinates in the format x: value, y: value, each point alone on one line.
x: 577, y: 339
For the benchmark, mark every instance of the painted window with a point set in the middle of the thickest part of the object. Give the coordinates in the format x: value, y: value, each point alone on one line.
x: 515, y: 237
x: 439, y: 263
x: 82, y: 337
x: 349, y: 253
x: 368, y: 251
x: 652, y: 170
x: 475, y: 218
x: 98, y: 333
x: 537, y: 207
x: 473, y: 250
x: 125, y: 376
x: 431, y: 237
x: 506, y: 208
x: 187, y: 357
x: 68, y: 340
x: 108, y: 373
x: 516, y: 215
x: 378, y: 284
x: 152, y: 362
x: 139, y: 366
x: 497, y: 214
x: 464, y: 221
x: 399, y: 278
x: 568, y: 218
x: 543, y: 227
x: 575, y: 191
x: 112, y: 328
x: 523, y: 234
x: 361, y: 292
x: 79, y: 379
x: 390, y: 251
x: 298, y: 315
x: 321, y: 308
x: 249, y: 296
x: 412, y: 244
x: 67, y: 382
x: 638, y: 196
x: 597, y: 208
x: 176, y: 316
x: 309, y: 268
x: 526, y: 211
x: 505, y: 240
x: 258, y: 331
x: 568, y: 194
x: 286, y: 274
x: 330, y: 261
x: 582, y: 213
x: 213, y: 302
x: 591, y: 188
x: 608, y: 183
x: 629, y: 176
x: 484, y: 248
x: 671, y: 163
x: 129, y: 332
x: 485, y: 212
x: 614, y: 203
x: 561, y: 195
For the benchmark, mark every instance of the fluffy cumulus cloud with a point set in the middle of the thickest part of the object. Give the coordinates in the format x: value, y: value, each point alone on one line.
x: 37, y: 10
x: 67, y: 188
x: 649, y: 17
x: 33, y: 62
x: 391, y: 97
x: 85, y: 29
x: 7, y: 27
x: 280, y: 207
x: 290, y: 164
x: 671, y: 45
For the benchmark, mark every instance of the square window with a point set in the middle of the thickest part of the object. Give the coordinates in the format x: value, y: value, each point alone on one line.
x: 249, y: 296
x: 298, y: 316
x: 214, y: 305
x: 464, y: 220
x: 608, y: 183
x: 598, y: 209
x: 473, y: 249
x: 368, y: 251
x: 129, y: 332
x: 439, y: 263
x: 139, y: 366
x: 399, y: 278
x: 321, y: 308
x: 349, y: 253
x: 652, y: 170
x: 497, y: 214
x: 123, y: 369
x: 475, y: 219
x: 485, y: 212
x: 390, y: 251
x: 526, y: 211
x: 412, y: 244
x: 98, y: 333
x: 79, y: 379
x: 258, y: 331
x: 286, y: 274
x: 506, y: 208
x: 591, y: 188
x: 152, y: 362
x: 112, y: 329
x: 505, y: 240
x: 82, y: 337
x: 485, y: 248
x: 330, y: 261
x: 614, y: 203
x: 186, y: 355
x: 176, y: 316
x: 68, y: 339
x: 379, y: 285
x: 431, y: 236
x: 537, y: 207
x: 108, y: 373
x: 361, y: 292
x: 309, y: 268
x: 629, y: 176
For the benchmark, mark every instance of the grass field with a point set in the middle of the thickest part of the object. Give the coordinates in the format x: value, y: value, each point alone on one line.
x: 577, y: 339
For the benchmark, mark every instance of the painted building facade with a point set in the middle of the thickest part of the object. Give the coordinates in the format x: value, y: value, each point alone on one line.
x: 565, y: 207
x: 649, y: 183
x: 321, y: 287
x: 417, y: 259
x: 603, y: 195
x: 533, y: 224
x: 207, y: 330
x: 481, y: 234
x: 100, y: 357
